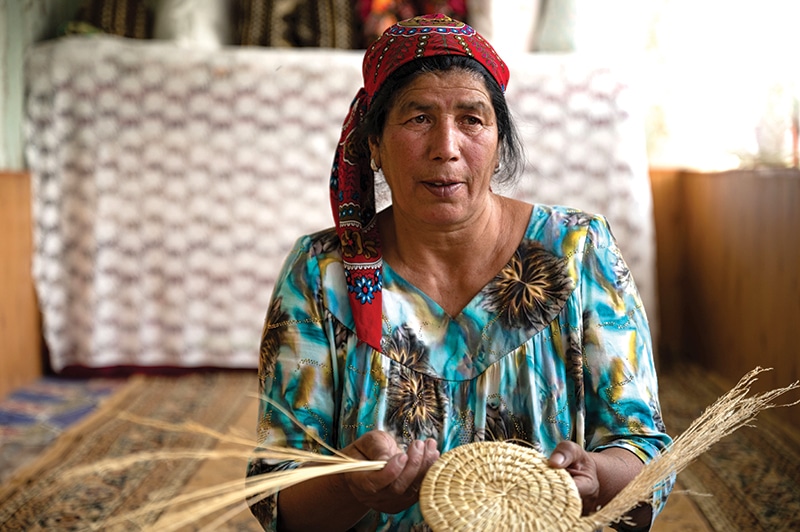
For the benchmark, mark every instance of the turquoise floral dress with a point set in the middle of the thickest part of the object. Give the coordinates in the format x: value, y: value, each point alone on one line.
x: 555, y: 347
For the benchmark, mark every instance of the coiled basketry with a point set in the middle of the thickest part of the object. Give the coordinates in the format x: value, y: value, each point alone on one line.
x: 498, y: 485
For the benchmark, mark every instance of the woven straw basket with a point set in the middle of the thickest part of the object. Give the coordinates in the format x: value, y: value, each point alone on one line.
x: 498, y: 486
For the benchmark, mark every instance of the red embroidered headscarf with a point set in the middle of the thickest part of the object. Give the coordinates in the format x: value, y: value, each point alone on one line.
x: 352, y: 179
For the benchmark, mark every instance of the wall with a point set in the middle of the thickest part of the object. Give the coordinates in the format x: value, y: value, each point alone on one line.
x: 22, y: 23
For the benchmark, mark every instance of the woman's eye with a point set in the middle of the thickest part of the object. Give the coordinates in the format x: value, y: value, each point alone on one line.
x: 473, y: 121
x: 420, y: 119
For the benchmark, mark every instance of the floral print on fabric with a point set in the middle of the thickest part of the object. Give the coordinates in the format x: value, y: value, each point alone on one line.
x: 502, y: 425
x: 271, y: 338
x: 415, y: 404
x: 556, y: 346
x: 531, y: 289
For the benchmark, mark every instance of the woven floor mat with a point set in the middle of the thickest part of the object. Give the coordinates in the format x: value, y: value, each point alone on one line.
x: 750, y: 480
x: 38, y: 497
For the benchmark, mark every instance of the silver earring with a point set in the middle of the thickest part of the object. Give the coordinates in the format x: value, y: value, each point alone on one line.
x: 373, y: 165
x: 498, y: 167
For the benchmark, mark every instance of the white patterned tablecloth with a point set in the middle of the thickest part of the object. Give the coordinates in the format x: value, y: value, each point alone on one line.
x: 169, y: 184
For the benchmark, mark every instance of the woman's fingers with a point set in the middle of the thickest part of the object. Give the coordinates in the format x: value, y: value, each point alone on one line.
x: 414, y: 465
x: 581, y: 466
x: 430, y: 455
x: 566, y: 454
x: 396, y: 486
x: 371, y: 482
x: 374, y: 445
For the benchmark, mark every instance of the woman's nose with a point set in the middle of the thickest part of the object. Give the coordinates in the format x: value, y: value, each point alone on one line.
x: 444, y: 141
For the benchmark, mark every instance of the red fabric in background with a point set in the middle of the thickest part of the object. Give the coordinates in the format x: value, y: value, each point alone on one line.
x: 378, y: 15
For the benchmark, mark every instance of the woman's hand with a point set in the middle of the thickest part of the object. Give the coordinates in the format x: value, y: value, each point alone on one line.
x: 395, y: 487
x: 351, y: 495
x: 580, y: 464
x: 599, y: 476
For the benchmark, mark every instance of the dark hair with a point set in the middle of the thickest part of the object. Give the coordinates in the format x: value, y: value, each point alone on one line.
x: 511, y: 150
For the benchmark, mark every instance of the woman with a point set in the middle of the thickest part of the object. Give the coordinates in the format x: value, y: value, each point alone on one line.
x: 456, y: 314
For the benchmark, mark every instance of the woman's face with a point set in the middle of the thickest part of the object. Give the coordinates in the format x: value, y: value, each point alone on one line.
x: 439, y: 148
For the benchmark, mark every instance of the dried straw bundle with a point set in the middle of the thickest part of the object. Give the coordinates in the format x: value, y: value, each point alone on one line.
x: 469, y: 486
x: 202, y: 503
x: 730, y: 412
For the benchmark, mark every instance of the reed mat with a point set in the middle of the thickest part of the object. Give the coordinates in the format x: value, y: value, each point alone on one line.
x: 37, y: 497
x: 34, y: 416
x: 750, y: 480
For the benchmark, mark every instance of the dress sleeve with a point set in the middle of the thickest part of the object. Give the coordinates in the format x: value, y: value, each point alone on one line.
x: 621, y: 387
x: 296, y: 370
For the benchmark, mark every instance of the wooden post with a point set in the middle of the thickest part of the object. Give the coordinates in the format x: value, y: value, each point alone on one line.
x: 20, y: 331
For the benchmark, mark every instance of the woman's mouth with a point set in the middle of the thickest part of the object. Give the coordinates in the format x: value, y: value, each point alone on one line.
x: 442, y: 189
